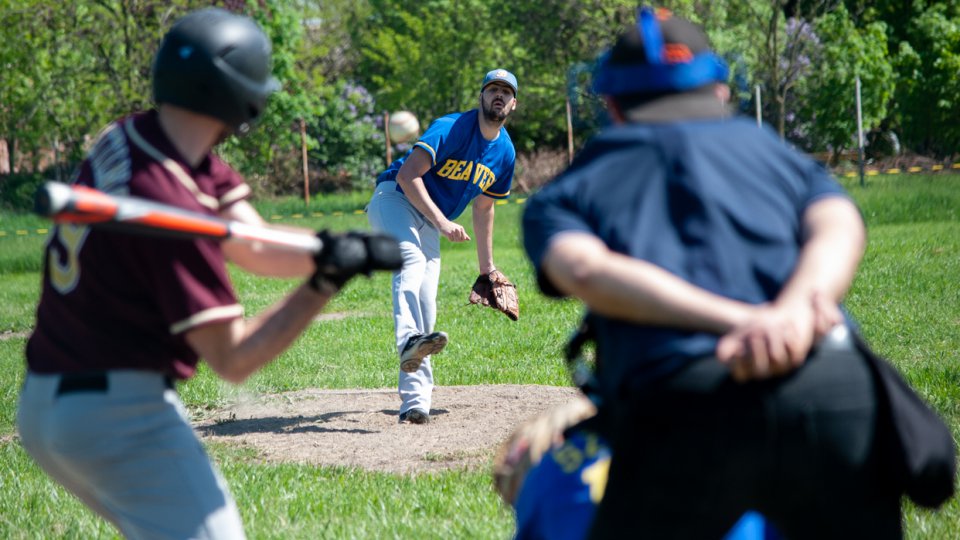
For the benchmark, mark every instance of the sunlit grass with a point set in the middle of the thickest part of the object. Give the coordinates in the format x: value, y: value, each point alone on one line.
x: 906, y: 297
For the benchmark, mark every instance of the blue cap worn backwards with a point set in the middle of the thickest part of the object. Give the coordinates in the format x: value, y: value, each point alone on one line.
x: 503, y: 76
x: 661, y: 54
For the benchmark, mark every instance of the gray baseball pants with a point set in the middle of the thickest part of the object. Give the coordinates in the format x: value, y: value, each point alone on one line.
x: 414, y: 287
x: 128, y: 452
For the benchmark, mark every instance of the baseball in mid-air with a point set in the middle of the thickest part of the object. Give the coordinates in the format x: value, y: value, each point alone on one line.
x: 404, y: 127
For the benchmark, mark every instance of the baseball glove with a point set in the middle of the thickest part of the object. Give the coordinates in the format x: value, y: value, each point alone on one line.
x: 529, y: 442
x: 496, y: 291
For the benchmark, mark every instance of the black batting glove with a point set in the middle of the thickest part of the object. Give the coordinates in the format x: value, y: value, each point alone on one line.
x: 384, y: 252
x: 344, y: 255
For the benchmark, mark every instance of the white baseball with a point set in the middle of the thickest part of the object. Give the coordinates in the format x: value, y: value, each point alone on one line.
x: 404, y: 127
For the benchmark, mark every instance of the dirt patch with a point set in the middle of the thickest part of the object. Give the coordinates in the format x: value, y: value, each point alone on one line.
x: 10, y: 334
x: 359, y: 428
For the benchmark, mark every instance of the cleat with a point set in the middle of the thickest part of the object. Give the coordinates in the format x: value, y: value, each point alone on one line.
x: 415, y: 416
x: 418, y: 347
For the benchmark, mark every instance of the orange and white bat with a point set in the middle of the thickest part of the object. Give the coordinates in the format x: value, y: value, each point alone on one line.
x: 71, y: 203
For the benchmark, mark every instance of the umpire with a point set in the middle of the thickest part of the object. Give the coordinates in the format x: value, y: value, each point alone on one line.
x: 714, y: 259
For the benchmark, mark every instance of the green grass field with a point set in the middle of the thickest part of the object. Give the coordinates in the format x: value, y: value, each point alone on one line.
x: 906, y: 298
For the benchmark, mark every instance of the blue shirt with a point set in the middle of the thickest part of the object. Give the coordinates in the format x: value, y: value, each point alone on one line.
x: 464, y: 163
x: 718, y: 203
x: 559, y: 496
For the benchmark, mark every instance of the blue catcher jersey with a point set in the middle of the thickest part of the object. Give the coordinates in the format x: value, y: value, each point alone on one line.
x: 559, y: 496
x: 464, y: 163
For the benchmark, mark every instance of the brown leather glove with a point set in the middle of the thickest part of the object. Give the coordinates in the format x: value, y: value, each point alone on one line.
x: 496, y: 291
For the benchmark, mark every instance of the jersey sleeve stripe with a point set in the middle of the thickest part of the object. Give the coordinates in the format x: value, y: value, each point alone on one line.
x: 431, y: 151
x: 219, y: 313
x: 110, y: 161
x: 496, y: 195
x: 238, y: 193
x: 172, y: 166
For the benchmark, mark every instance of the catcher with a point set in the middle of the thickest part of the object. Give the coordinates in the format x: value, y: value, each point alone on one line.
x: 553, y: 468
x: 553, y: 471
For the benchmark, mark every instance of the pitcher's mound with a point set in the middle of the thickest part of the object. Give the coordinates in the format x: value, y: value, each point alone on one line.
x: 359, y: 428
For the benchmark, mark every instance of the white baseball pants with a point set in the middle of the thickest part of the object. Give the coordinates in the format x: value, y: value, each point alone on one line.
x: 414, y: 287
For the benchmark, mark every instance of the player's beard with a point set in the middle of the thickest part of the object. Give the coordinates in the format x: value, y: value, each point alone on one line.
x: 492, y: 115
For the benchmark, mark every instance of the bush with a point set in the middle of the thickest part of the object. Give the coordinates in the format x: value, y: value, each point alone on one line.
x: 349, y: 135
x: 16, y: 190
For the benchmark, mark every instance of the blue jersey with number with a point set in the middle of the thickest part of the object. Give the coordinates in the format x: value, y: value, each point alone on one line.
x: 559, y: 496
x: 464, y: 163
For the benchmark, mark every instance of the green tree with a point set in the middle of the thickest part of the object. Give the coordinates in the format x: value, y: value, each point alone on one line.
x: 779, y: 49
x: 847, y: 52
x: 269, y: 156
x: 556, y: 43
x: 428, y: 57
x: 928, y: 95
x: 70, y: 68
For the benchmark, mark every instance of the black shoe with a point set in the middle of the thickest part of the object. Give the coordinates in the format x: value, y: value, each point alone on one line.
x: 415, y: 416
x: 418, y: 347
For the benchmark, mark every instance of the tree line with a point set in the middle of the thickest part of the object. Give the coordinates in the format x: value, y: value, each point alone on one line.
x: 69, y: 68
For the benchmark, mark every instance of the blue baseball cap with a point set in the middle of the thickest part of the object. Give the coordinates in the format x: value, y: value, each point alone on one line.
x: 503, y: 76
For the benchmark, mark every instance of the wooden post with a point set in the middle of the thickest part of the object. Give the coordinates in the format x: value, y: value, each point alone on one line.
x: 569, y: 132
x: 386, y: 137
x: 859, y: 133
x: 303, y: 157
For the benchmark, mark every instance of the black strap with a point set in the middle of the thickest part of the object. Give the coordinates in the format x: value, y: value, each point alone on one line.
x: 83, y: 382
x: 97, y: 381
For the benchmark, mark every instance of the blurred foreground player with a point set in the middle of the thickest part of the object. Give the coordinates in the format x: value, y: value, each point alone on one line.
x: 122, y: 317
x: 713, y: 259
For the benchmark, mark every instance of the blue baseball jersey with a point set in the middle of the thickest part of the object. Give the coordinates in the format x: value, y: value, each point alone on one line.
x: 464, y: 163
x: 718, y: 203
x: 559, y: 496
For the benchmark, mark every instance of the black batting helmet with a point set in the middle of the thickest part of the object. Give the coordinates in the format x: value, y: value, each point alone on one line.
x: 215, y: 63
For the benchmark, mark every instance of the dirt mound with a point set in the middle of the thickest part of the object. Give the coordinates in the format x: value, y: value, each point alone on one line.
x: 359, y: 428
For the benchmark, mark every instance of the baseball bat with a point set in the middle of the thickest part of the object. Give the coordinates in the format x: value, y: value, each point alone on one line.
x: 74, y: 203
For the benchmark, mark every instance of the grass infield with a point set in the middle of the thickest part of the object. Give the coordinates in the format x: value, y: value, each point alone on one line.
x: 906, y: 297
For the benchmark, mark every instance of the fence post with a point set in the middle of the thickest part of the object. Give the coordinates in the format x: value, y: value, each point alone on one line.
x: 303, y: 156
x: 386, y: 137
x: 859, y: 133
x: 569, y: 132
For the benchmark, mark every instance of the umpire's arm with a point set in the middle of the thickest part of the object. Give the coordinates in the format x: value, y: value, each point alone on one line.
x: 779, y: 336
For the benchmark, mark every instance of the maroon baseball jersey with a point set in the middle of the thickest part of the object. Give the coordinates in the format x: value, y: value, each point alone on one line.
x: 112, y: 300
